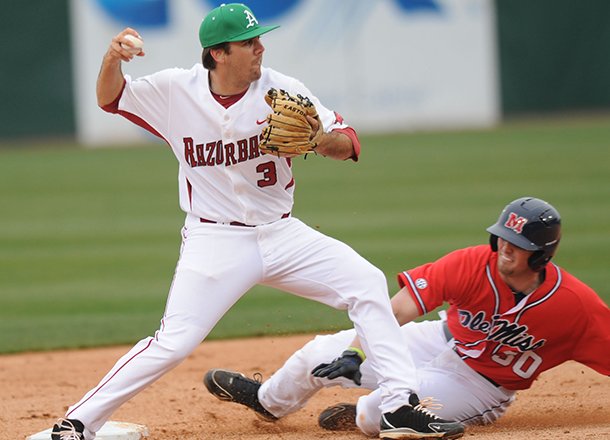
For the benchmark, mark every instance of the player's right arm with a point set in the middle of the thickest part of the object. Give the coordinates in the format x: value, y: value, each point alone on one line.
x: 404, y: 307
x: 110, y: 79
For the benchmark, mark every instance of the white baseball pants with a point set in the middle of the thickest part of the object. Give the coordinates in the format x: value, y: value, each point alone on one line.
x: 217, y: 265
x: 465, y: 395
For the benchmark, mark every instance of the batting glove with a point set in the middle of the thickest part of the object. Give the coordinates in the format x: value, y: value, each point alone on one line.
x: 347, y: 365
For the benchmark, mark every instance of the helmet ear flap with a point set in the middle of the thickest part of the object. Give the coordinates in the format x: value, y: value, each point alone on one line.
x: 538, y: 260
x: 493, y: 242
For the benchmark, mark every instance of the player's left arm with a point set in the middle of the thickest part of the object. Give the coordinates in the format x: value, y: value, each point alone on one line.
x: 340, y: 144
x: 337, y: 140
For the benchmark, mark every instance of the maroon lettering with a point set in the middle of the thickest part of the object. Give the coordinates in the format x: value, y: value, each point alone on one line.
x: 220, y: 153
x: 254, y: 151
x: 189, y: 152
x: 209, y: 149
x: 200, y: 155
x: 242, y: 150
x: 215, y: 153
x: 269, y: 172
x: 230, y: 154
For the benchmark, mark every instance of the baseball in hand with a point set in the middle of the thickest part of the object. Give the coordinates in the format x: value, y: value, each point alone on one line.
x: 137, y: 44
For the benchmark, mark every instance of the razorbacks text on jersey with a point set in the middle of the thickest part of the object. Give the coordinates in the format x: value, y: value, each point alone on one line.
x: 223, y: 176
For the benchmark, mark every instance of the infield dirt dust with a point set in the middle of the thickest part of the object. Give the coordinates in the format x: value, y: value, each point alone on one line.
x: 568, y: 402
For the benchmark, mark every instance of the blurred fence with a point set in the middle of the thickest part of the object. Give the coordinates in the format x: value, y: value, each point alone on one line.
x: 554, y: 55
x: 36, y: 84
x: 396, y: 64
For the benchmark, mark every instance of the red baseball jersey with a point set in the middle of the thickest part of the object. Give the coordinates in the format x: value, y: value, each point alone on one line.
x: 563, y: 319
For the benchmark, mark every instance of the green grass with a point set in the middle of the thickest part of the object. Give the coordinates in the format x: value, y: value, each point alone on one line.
x: 89, y: 238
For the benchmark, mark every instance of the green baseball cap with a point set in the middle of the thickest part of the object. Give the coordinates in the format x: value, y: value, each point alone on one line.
x: 230, y: 22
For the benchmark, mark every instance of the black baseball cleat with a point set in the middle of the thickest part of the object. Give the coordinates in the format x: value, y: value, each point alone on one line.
x: 416, y: 422
x: 339, y: 417
x: 231, y: 386
x: 68, y: 429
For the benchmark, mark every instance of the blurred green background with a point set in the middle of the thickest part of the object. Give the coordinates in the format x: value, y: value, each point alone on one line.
x: 89, y: 238
x: 552, y: 58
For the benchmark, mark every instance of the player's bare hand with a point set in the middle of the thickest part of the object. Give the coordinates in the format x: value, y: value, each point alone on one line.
x: 124, y: 46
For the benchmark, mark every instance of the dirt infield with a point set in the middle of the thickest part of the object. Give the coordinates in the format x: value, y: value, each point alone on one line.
x: 569, y: 402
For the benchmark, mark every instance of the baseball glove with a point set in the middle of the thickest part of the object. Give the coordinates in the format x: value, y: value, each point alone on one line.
x: 288, y: 132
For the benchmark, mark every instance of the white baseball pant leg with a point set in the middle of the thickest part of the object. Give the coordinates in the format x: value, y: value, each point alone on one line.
x: 301, y: 260
x: 217, y: 265
x: 290, y: 388
x: 465, y: 396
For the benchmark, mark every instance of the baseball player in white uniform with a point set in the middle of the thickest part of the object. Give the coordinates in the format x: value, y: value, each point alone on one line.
x: 239, y: 230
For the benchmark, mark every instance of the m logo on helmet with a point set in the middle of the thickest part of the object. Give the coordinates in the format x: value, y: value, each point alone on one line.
x: 251, y: 19
x: 515, y: 222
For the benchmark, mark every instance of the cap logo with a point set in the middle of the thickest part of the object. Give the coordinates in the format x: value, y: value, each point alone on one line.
x: 252, y: 21
x: 515, y: 222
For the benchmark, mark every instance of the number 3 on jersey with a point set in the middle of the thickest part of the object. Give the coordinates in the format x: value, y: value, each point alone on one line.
x: 269, y: 172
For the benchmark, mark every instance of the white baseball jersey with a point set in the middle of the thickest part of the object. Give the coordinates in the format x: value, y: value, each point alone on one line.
x: 224, y: 178
x: 223, y: 175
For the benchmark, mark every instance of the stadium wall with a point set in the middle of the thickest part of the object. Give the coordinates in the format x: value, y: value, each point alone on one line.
x: 553, y: 55
x: 36, y: 84
x: 433, y: 63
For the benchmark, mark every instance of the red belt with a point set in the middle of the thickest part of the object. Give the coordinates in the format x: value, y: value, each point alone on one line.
x: 205, y: 220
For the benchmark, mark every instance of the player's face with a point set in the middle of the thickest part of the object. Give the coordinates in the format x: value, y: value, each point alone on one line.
x: 245, y: 59
x: 512, y: 260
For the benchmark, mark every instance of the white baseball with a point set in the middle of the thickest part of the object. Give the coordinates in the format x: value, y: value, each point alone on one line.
x: 137, y: 44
